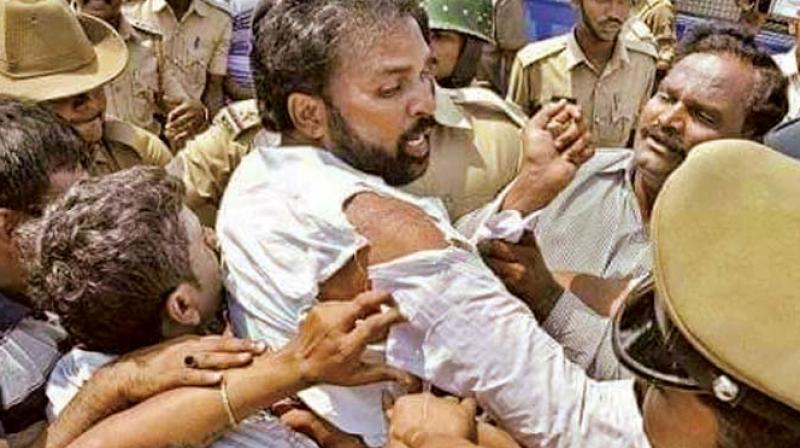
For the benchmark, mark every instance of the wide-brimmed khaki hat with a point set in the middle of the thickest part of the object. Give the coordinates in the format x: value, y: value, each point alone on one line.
x: 47, y: 52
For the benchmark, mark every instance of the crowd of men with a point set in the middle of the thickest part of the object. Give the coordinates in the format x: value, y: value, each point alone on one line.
x: 363, y: 223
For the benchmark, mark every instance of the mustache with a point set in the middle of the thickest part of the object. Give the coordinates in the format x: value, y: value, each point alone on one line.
x: 421, y: 126
x: 667, y: 137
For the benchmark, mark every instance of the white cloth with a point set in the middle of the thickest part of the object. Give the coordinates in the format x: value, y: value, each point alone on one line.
x: 75, y: 368
x: 788, y: 65
x: 283, y: 232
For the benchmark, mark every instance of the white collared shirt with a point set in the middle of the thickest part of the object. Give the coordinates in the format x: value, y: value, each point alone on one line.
x: 283, y: 232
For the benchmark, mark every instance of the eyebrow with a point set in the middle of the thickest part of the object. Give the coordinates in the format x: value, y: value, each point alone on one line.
x: 399, y: 69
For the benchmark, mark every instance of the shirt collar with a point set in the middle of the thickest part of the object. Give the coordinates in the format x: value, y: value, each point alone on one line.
x: 197, y: 6
x: 448, y: 113
x: 575, y: 54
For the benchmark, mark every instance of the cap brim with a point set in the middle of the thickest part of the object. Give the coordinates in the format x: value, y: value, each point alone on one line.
x: 111, y: 59
x: 638, y: 341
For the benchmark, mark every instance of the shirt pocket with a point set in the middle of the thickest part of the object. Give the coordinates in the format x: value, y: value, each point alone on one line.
x: 617, y: 121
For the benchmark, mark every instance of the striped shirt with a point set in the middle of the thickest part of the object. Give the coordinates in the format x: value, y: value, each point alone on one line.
x: 593, y: 227
x: 241, y: 43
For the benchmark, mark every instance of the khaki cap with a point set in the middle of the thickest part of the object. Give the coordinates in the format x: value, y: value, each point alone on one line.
x: 726, y: 245
x: 47, y: 52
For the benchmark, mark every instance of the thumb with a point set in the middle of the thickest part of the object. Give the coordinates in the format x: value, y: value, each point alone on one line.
x: 470, y: 406
x: 545, y: 114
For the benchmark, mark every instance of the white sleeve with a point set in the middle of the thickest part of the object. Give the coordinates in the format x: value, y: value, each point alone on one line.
x: 469, y: 336
x: 490, y: 222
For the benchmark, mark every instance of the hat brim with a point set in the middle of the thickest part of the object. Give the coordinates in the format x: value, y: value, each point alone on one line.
x: 111, y: 58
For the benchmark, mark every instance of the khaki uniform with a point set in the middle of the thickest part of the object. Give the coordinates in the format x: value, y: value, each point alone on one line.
x: 611, y: 100
x: 125, y: 145
x: 195, y: 45
x: 135, y: 95
x: 659, y: 16
x: 475, y: 152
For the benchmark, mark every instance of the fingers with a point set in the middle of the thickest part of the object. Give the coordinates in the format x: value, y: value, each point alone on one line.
x: 497, y: 249
x: 470, y: 406
x: 545, y: 115
x: 375, y: 373
x: 221, y: 361
x: 370, y: 302
x: 581, y: 150
x: 193, y: 377
x: 510, y: 273
x: 529, y: 240
x: 372, y: 329
x: 227, y: 344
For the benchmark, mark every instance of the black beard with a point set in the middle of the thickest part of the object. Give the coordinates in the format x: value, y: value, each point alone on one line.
x: 371, y: 159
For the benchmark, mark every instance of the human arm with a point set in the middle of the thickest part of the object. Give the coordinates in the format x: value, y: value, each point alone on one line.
x: 474, y: 339
x: 327, y: 350
x: 214, y: 94
x: 143, y: 374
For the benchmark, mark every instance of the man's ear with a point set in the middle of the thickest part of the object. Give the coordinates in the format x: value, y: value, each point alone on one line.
x: 181, y: 306
x: 308, y: 114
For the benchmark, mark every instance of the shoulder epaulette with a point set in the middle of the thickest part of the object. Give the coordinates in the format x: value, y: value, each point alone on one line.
x: 145, y: 28
x: 640, y: 46
x: 539, y: 50
x: 239, y: 117
x: 490, y: 100
x: 638, y: 30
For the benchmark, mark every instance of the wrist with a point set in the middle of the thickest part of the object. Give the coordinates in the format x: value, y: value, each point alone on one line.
x: 530, y: 191
x: 549, y: 298
x: 112, y: 386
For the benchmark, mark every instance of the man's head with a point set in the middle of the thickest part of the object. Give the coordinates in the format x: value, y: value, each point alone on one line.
x: 352, y: 76
x: 60, y: 60
x: 603, y: 19
x: 722, y: 85
x: 40, y: 157
x: 459, y: 30
x: 125, y: 264
x: 713, y: 337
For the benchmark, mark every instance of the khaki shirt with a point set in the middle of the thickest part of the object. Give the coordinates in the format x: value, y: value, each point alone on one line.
x: 135, y: 95
x: 659, y: 16
x: 194, y: 47
x: 125, y: 145
x: 475, y: 152
x: 611, y: 100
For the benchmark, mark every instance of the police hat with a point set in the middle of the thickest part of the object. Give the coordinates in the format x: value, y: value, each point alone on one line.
x: 47, y: 52
x: 722, y: 312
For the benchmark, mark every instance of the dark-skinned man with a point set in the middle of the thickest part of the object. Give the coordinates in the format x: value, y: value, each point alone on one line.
x: 596, y: 228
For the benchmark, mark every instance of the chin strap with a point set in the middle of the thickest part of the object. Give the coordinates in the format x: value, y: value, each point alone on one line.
x: 467, y: 64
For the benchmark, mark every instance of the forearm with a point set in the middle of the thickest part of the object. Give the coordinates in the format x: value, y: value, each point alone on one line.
x: 100, y: 397
x: 197, y: 416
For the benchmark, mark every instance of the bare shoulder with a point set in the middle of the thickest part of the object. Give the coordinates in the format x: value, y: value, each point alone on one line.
x: 394, y: 228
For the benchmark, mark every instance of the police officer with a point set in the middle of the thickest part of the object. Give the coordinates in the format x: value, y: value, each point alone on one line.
x: 713, y: 341
x: 609, y: 76
x: 63, y: 61
x: 196, y: 42
x: 459, y: 30
x: 476, y: 149
x: 136, y: 95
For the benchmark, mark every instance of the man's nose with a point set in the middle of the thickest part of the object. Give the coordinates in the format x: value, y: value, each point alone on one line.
x: 672, y: 118
x: 423, y: 101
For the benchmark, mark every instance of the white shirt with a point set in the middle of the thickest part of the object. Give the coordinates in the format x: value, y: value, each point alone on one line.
x: 75, y: 368
x: 283, y: 232
x: 788, y: 65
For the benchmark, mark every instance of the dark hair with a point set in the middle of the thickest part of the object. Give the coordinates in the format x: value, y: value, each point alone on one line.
x: 110, y: 252
x: 297, y: 45
x: 768, y: 102
x: 740, y: 428
x: 34, y: 143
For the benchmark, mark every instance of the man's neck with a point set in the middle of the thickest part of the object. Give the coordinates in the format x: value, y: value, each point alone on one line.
x: 179, y: 7
x: 597, y: 51
x: 644, y: 197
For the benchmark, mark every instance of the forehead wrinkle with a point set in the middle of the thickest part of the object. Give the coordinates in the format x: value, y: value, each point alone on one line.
x: 704, y: 83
